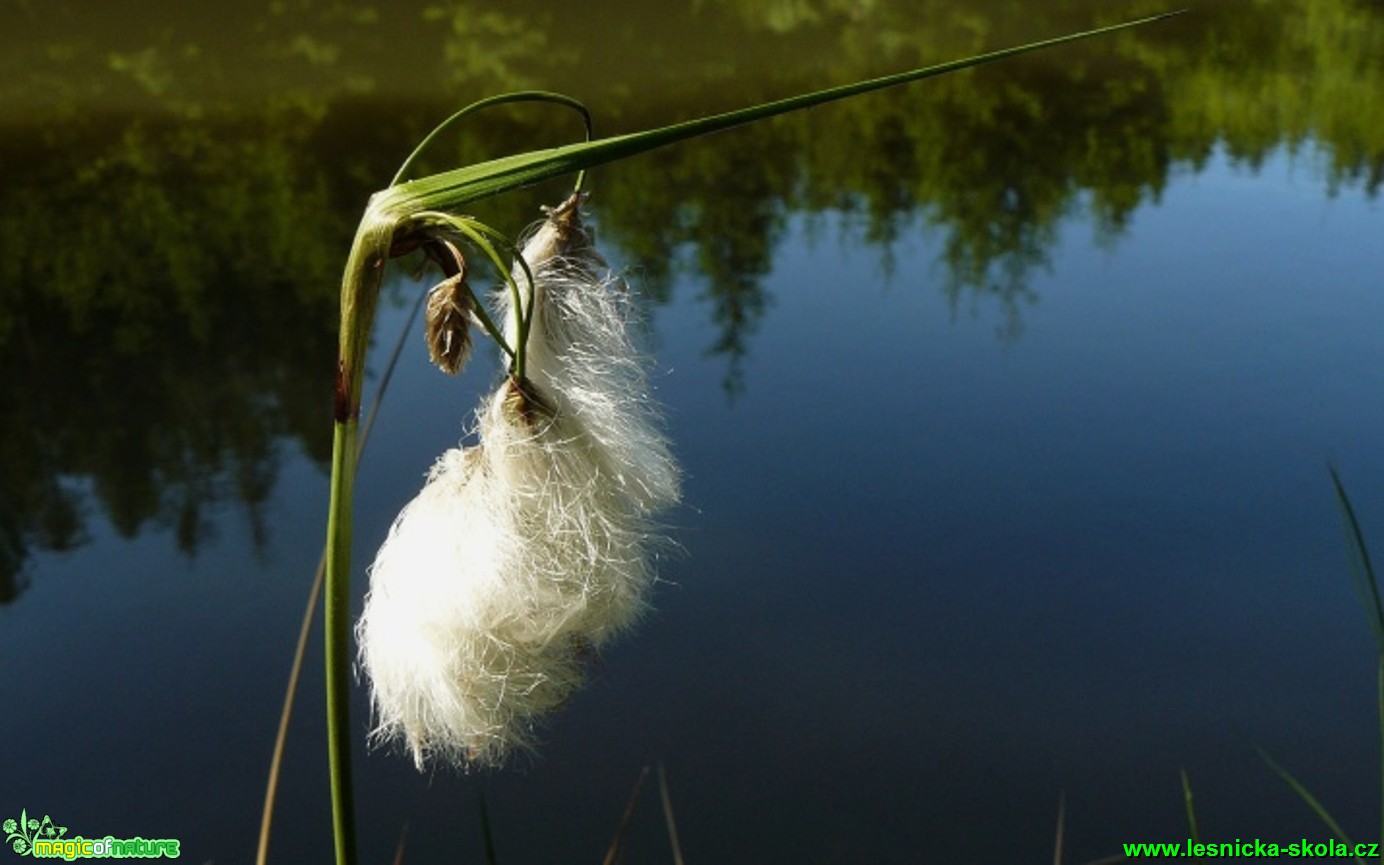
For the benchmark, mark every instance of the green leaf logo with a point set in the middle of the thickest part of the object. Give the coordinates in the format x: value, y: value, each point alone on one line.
x: 21, y: 834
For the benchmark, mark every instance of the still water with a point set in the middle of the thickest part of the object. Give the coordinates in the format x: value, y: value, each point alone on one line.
x: 1005, y: 403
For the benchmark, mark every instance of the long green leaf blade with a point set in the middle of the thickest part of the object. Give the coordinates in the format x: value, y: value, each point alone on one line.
x: 1365, y: 581
x: 1306, y: 796
x: 1191, y: 811
x: 456, y: 187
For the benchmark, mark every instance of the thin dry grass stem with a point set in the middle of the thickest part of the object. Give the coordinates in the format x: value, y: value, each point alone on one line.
x: 1061, y: 827
x: 626, y: 818
x: 486, y: 834
x: 668, y: 814
x: 271, y: 789
x: 1062, y: 833
x: 403, y: 842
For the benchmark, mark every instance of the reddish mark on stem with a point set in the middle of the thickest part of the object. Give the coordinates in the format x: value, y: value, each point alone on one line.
x: 343, y: 411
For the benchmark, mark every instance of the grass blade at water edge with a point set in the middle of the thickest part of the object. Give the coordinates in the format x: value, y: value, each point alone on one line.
x: 1191, y: 812
x: 1368, y: 586
x: 286, y: 714
x: 1360, y: 566
x: 487, y: 835
x: 1307, y: 797
x: 668, y: 814
x: 626, y: 818
x: 1061, y: 827
x: 403, y: 842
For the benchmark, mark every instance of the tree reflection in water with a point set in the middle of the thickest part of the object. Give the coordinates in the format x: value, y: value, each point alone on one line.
x: 179, y: 195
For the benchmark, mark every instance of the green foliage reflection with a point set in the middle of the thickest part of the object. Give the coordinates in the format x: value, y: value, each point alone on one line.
x: 171, y: 221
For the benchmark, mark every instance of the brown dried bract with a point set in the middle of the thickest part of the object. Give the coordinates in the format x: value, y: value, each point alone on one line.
x: 448, y: 323
x: 574, y: 240
x: 521, y: 401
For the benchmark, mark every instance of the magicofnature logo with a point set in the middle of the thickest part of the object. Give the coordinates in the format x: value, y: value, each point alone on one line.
x: 22, y: 833
x: 43, y: 839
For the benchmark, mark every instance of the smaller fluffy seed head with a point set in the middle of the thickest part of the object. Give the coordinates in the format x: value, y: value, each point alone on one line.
x: 582, y: 357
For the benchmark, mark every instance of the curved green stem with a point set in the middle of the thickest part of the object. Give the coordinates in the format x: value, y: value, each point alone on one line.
x: 360, y: 291
x: 503, y: 98
x: 485, y: 237
x: 465, y: 228
x: 488, y: 324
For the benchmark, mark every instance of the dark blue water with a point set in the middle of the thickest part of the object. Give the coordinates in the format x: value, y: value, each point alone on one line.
x: 943, y: 563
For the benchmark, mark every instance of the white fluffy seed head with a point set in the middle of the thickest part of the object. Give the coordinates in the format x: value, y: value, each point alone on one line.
x: 526, y: 552
x: 581, y: 353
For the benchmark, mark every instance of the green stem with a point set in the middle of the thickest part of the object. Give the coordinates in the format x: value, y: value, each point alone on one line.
x: 488, y: 324
x: 486, y: 239
x: 360, y: 291
x: 502, y: 99
x: 477, y: 233
x: 338, y: 648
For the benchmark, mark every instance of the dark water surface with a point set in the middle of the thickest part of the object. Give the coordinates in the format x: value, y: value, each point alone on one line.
x: 1005, y: 402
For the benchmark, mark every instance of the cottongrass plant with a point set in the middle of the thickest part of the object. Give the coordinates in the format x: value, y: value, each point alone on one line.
x: 525, y: 553
x: 529, y: 550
